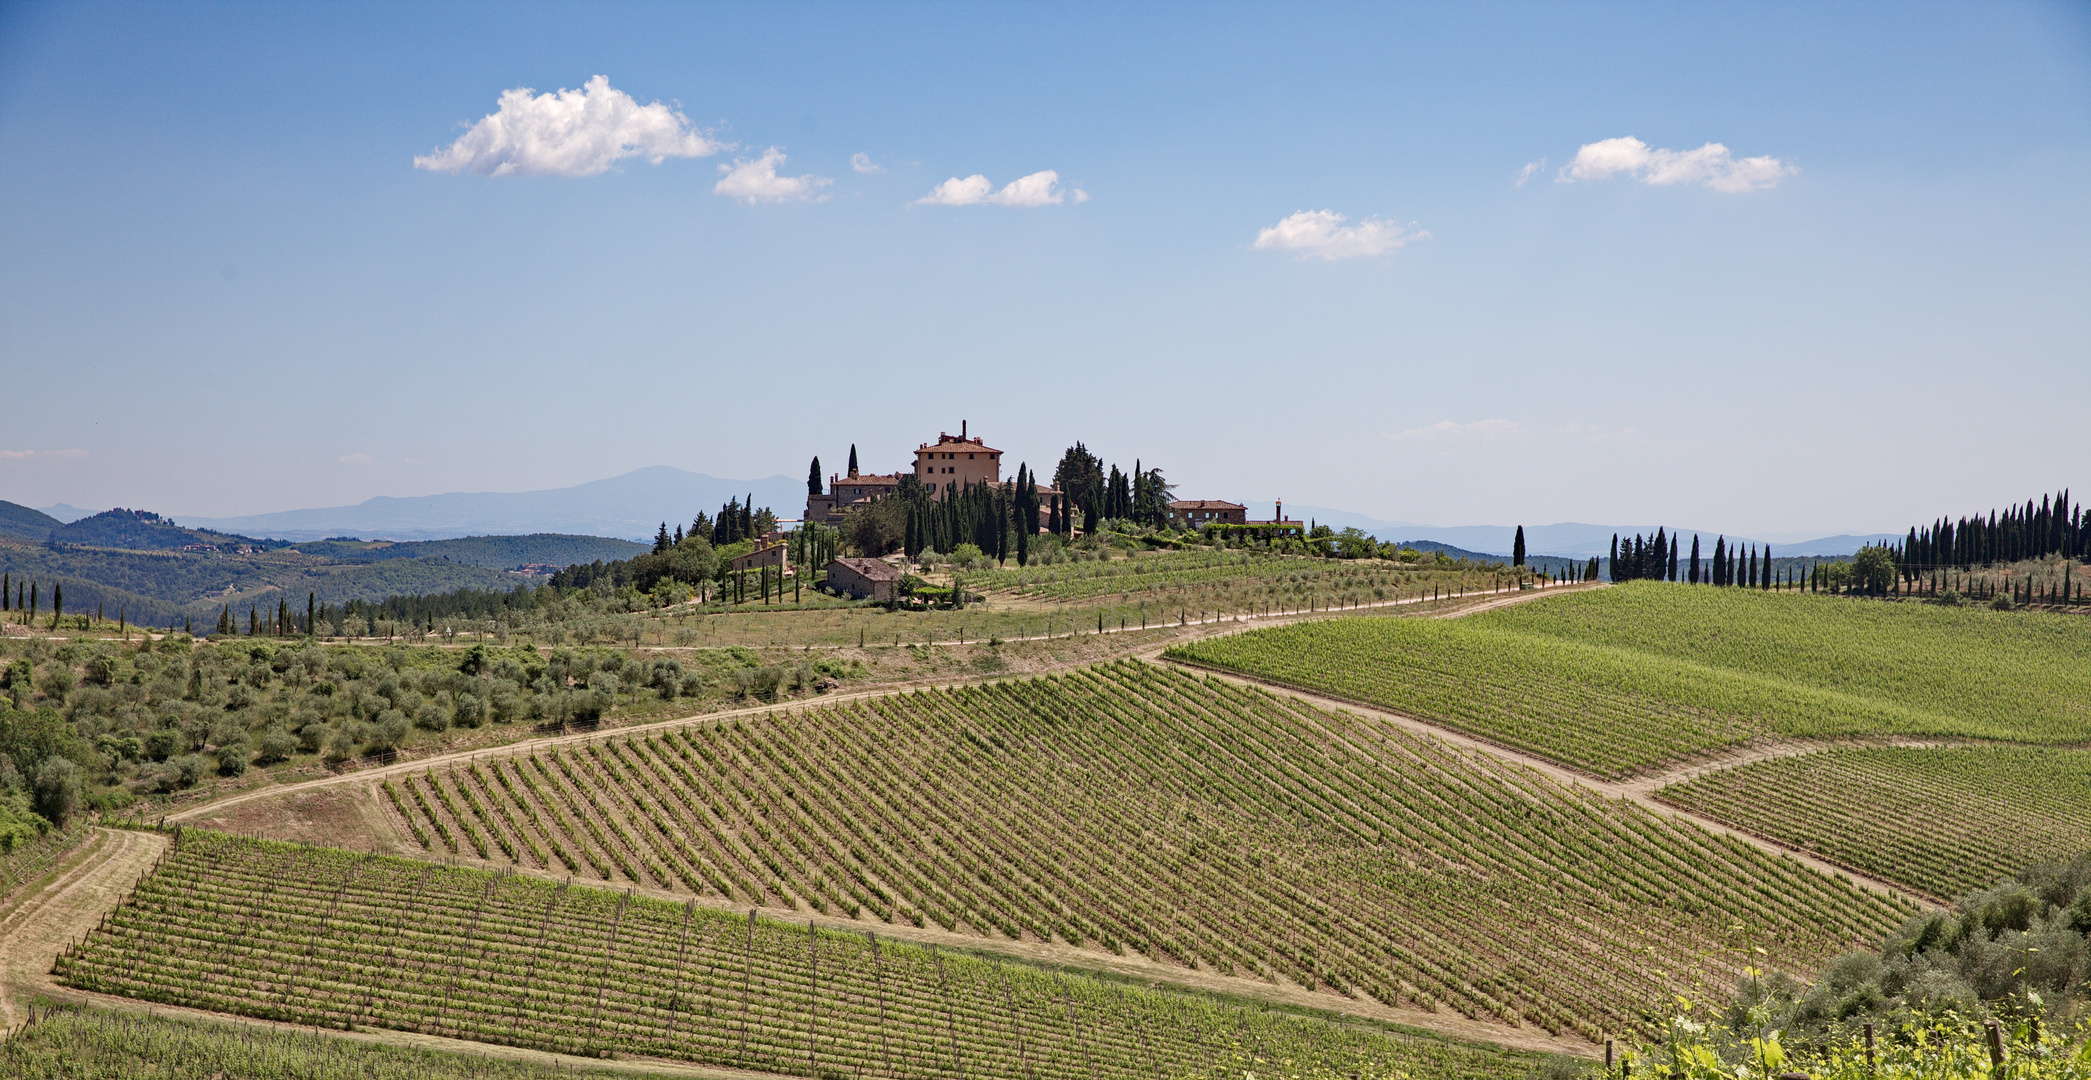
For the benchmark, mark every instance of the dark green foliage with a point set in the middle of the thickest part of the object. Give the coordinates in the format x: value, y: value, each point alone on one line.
x: 1517, y: 548
x: 19, y: 522
x: 813, y: 476
x: 142, y: 530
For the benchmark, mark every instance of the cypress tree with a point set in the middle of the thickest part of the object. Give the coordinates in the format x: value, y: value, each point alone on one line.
x: 853, y: 459
x: 1671, y: 570
x: 1614, y: 559
x: 1695, y: 559
x: 32, y: 599
x: 1517, y: 548
x: 813, y: 476
x: 311, y: 600
x: 7, y: 588
x: 57, y: 604
x: 1720, y: 560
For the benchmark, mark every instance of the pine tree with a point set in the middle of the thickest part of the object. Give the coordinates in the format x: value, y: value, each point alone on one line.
x: 1517, y: 547
x: 813, y: 477
x: 660, y: 539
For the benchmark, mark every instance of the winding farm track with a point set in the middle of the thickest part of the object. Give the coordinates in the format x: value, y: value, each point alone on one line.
x: 32, y: 935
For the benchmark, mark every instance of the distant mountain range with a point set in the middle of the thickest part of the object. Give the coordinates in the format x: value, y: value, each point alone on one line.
x: 1568, y: 539
x: 633, y: 505
x: 628, y: 507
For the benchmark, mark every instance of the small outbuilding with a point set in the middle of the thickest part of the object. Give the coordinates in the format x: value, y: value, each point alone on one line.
x: 865, y: 579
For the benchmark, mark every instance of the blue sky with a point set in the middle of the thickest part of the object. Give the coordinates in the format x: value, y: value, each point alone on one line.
x: 226, y: 288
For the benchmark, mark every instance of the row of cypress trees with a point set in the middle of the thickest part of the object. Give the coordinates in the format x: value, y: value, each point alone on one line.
x: 1655, y: 558
x: 2052, y: 527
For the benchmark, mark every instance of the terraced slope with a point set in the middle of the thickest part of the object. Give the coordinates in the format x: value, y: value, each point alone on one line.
x: 1616, y: 681
x: 1942, y: 821
x: 1130, y: 807
x: 331, y: 938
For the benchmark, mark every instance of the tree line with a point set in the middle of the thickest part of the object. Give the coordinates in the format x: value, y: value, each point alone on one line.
x: 2052, y: 527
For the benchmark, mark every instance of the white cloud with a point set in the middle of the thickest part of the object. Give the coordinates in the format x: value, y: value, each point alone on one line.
x: 42, y: 455
x: 1037, y: 189
x: 1711, y: 165
x: 1531, y: 167
x: 1322, y: 234
x: 863, y: 164
x: 1496, y: 430
x: 757, y: 181
x: 570, y: 133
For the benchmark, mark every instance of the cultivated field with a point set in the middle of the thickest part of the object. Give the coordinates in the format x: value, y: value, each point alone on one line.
x: 1943, y: 821
x: 335, y: 939
x: 1619, y: 680
x: 75, y: 1044
x: 1130, y: 807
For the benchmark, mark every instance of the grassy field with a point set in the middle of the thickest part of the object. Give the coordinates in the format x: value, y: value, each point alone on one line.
x: 98, y: 1044
x: 335, y: 939
x: 1619, y: 680
x: 1943, y: 821
x: 1132, y: 808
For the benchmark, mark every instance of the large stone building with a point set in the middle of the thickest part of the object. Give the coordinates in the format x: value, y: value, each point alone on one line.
x: 957, y: 462
x: 773, y: 554
x: 827, y: 508
x: 1192, y: 513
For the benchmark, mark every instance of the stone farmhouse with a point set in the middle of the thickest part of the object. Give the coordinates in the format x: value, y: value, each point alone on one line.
x: 865, y: 579
x: 769, y: 555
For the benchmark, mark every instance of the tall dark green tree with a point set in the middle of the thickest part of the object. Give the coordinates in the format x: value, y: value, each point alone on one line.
x: 1671, y: 570
x: 57, y: 603
x: 1517, y: 548
x: 853, y: 459
x: 1078, y: 475
x: 813, y: 477
x: 1694, y: 579
x: 660, y: 539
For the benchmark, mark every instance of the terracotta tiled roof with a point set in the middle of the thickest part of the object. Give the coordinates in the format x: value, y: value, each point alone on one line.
x: 1205, y: 504
x: 948, y: 444
x: 873, y: 569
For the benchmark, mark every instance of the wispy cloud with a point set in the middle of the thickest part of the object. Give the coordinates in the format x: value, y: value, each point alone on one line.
x: 1322, y: 234
x: 570, y: 133
x: 1038, y: 189
x: 42, y: 455
x: 756, y: 180
x: 1711, y: 166
x: 1496, y: 430
x: 1530, y: 168
x: 863, y: 164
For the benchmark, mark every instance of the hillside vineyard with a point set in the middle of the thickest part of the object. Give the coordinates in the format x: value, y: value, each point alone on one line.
x: 323, y: 937
x: 1944, y: 821
x: 1624, y: 679
x: 1134, y: 808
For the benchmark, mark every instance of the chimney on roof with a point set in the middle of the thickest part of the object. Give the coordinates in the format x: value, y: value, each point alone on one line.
x: 1280, y: 515
x: 961, y: 429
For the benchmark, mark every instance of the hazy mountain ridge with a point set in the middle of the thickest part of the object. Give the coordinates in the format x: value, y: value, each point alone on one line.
x: 630, y: 507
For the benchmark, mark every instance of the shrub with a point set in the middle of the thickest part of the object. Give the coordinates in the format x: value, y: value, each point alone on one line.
x: 232, y: 759
x: 277, y: 745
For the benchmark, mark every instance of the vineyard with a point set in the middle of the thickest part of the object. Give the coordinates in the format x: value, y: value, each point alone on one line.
x: 72, y: 1044
x: 330, y: 938
x: 1128, y: 807
x: 1944, y: 821
x: 1971, y: 672
x: 1235, y: 581
x: 1619, y: 680
x: 32, y: 860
